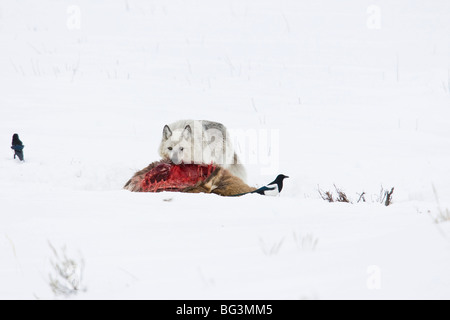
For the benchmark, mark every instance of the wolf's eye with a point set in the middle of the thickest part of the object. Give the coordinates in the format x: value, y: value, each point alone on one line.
x: 170, y: 148
x: 181, y: 149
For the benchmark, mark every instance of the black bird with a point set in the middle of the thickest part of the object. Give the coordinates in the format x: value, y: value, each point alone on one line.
x: 17, y: 146
x: 274, y: 188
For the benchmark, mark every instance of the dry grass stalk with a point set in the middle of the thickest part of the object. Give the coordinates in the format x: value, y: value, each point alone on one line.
x: 67, y: 277
x: 385, y: 196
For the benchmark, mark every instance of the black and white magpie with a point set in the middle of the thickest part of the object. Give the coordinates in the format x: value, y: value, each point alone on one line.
x: 274, y: 188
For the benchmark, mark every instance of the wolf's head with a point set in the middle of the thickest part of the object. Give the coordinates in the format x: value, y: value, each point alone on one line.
x: 177, y: 146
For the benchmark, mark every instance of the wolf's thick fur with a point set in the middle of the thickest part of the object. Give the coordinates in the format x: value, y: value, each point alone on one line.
x: 200, y: 142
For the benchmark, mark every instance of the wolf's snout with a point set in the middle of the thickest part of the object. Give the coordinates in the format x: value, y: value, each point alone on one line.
x: 176, y: 159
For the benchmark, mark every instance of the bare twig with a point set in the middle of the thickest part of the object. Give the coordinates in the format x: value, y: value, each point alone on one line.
x: 361, y: 197
x: 388, y: 196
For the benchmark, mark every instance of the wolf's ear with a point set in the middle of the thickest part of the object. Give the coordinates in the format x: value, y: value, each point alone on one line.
x: 167, y: 133
x: 187, y: 132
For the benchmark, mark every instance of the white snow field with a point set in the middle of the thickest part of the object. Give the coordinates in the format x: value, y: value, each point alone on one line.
x: 354, y: 93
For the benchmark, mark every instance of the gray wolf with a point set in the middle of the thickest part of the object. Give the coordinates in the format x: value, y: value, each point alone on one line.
x: 200, y: 142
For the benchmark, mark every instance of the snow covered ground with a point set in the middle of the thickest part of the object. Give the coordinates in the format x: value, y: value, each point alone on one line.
x: 353, y: 93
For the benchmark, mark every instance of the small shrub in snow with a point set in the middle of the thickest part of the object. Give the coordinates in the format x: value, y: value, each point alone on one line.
x: 339, y: 197
x: 306, y: 243
x: 271, y: 249
x: 326, y: 195
x: 443, y: 216
x: 67, y: 276
x: 385, y: 196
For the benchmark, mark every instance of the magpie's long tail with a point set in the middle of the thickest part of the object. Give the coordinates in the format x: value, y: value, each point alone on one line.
x: 243, y: 194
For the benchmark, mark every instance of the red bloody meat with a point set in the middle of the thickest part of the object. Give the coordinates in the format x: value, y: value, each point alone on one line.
x: 170, y: 177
